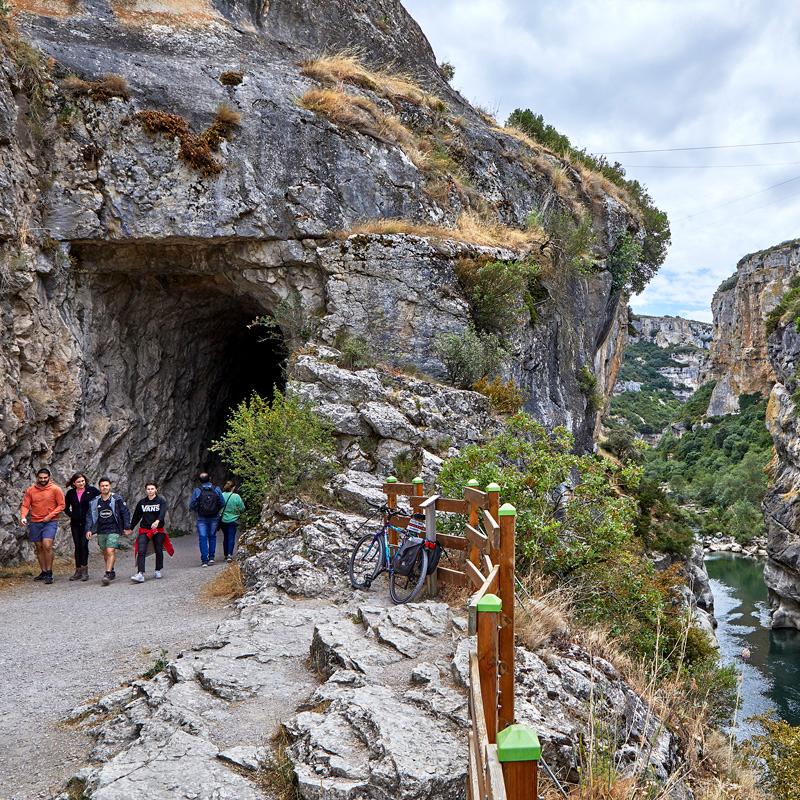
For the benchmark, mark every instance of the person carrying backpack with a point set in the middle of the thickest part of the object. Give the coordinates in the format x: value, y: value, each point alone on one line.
x: 207, y: 501
x: 108, y: 518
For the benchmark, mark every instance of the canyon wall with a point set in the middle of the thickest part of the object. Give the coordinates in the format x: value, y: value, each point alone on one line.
x: 739, y: 359
x: 129, y: 277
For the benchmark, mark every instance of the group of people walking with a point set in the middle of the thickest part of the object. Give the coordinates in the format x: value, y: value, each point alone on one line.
x: 101, y: 514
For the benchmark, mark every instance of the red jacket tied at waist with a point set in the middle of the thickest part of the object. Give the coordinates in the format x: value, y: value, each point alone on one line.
x: 148, y: 532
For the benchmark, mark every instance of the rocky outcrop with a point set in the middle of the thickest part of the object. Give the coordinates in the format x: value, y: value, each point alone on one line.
x: 128, y: 278
x: 782, y: 502
x: 739, y: 358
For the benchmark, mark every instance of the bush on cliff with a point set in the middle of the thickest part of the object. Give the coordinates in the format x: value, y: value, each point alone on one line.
x: 277, y: 447
x: 469, y: 355
x: 576, y: 525
x: 776, y: 752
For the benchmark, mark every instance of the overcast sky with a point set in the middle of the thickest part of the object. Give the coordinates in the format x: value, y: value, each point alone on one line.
x: 643, y: 74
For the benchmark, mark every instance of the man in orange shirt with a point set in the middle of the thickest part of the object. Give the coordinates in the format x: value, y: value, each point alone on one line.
x: 44, y: 501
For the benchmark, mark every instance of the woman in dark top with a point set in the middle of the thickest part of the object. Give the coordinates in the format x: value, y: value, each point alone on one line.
x: 149, y: 512
x: 79, y: 495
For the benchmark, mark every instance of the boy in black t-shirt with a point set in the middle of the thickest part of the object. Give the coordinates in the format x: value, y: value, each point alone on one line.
x: 149, y: 512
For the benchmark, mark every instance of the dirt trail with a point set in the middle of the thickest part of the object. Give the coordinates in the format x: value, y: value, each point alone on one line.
x: 65, y: 643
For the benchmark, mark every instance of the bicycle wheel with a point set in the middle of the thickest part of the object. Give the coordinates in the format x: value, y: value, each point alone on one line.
x: 366, y: 561
x: 404, y: 588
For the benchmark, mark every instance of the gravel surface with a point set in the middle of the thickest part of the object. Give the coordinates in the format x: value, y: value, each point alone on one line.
x: 65, y: 643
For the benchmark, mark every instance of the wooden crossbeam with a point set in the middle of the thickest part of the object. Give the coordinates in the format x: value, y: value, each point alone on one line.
x: 398, y: 488
x: 425, y: 502
x: 474, y: 574
x: 487, y: 564
x: 475, y: 496
x: 492, y: 529
x: 451, y: 542
x: 452, y: 577
x: 449, y: 504
x: 476, y: 538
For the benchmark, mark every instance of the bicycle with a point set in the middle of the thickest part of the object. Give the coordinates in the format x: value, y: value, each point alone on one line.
x: 372, y: 555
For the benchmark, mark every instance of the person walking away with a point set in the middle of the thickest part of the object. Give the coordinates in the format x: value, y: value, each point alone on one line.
x: 43, y: 502
x: 79, y: 495
x: 150, y: 512
x: 108, y: 519
x: 207, y: 502
x: 229, y: 519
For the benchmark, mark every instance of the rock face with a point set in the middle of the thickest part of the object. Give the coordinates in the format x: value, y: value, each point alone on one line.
x: 782, y: 502
x: 128, y: 278
x: 739, y: 358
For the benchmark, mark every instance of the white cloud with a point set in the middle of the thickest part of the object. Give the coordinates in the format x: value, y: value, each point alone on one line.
x: 637, y: 74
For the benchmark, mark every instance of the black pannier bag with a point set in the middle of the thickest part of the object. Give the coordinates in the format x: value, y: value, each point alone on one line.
x: 407, y: 555
x: 434, y: 554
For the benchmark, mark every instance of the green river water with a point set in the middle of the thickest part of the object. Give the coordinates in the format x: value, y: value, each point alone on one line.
x: 771, y: 676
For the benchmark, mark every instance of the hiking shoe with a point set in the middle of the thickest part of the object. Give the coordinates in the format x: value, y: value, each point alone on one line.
x: 112, y: 574
x: 106, y: 579
x: 41, y: 576
x: 85, y: 573
x: 138, y: 578
x: 78, y: 574
x: 158, y: 573
x: 48, y: 579
x: 229, y: 559
x: 210, y: 560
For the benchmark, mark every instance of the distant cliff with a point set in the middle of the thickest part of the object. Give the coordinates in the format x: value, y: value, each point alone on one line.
x: 739, y: 362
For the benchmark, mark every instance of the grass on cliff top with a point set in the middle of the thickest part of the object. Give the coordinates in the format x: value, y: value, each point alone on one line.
x: 347, y: 67
x: 470, y: 228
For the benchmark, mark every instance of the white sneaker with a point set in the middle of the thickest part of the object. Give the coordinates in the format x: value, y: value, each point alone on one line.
x: 158, y: 573
x: 137, y: 578
x: 210, y: 560
x: 204, y: 564
x: 229, y: 559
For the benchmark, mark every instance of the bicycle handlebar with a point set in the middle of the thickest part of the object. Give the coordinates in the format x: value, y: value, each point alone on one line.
x: 392, y: 512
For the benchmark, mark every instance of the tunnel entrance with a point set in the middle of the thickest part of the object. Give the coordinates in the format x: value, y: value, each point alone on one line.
x: 165, y: 359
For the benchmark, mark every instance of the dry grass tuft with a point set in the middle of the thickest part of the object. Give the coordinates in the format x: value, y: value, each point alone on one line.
x: 347, y: 67
x: 362, y: 115
x: 277, y: 779
x: 231, y: 78
x: 470, y: 228
x: 195, y: 150
x: 228, y: 584
x: 542, y: 614
x: 100, y: 90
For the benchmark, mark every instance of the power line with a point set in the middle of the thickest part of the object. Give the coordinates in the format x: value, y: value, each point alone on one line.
x: 737, y: 199
x: 706, y: 147
x: 713, y: 166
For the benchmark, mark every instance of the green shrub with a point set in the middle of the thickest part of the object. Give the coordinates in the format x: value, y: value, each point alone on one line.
x: 743, y: 521
x: 776, y: 752
x: 789, y: 305
x: 469, y: 355
x: 570, y: 241
x: 655, y: 223
x: 622, y: 260
x: 276, y: 448
x: 355, y: 350
x: 729, y: 283
x: 407, y: 465
x: 448, y: 71
x: 497, y: 291
x: 505, y: 396
x: 587, y: 382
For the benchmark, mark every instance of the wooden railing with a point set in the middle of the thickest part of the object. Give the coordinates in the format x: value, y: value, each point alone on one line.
x: 503, y: 756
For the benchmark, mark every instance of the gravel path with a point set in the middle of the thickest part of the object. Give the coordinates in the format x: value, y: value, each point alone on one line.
x: 65, y: 643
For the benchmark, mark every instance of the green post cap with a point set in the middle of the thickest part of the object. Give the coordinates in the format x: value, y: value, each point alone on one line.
x: 417, y: 480
x: 492, y: 487
x: 518, y: 743
x: 490, y: 602
x: 473, y: 482
x: 507, y: 510
x: 391, y: 479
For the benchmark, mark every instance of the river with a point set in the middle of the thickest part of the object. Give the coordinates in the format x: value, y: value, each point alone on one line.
x: 771, y: 676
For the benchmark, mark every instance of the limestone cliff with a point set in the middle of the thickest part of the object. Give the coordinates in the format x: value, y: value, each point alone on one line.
x: 136, y: 247
x: 739, y: 362
x: 782, y: 503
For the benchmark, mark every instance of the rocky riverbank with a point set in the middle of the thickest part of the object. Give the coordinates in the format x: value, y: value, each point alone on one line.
x: 757, y: 548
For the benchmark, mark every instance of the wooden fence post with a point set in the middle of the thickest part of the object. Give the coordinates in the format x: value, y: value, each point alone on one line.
x: 519, y: 751
x: 474, y: 553
x: 508, y: 519
x: 391, y: 501
x: 493, y: 505
x: 489, y: 607
x: 419, y: 486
